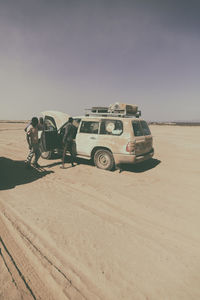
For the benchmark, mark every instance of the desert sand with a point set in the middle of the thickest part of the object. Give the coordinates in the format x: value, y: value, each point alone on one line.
x: 84, y: 233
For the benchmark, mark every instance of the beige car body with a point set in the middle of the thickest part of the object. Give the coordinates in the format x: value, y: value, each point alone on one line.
x: 87, y: 143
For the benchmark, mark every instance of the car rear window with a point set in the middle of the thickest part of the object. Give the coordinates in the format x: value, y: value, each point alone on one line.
x: 111, y: 127
x: 145, y: 128
x: 137, y: 129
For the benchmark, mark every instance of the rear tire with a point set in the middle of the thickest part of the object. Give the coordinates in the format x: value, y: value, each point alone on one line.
x: 46, y: 155
x: 103, y: 159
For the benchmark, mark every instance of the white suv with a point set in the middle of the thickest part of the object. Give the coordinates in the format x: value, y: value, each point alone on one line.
x: 107, y: 140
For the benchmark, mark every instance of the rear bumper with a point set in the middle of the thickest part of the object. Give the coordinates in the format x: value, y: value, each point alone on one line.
x: 131, y: 158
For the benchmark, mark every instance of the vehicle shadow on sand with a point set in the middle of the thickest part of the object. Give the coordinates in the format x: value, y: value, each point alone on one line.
x: 135, y: 168
x: 15, y: 172
x: 77, y: 161
x: 141, y: 167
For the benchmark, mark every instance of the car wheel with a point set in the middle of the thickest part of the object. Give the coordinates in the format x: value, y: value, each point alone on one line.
x: 46, y: 155
x: 103, y: 159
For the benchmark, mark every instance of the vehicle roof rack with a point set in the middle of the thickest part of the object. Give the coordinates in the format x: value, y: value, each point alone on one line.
x: 105, y: 112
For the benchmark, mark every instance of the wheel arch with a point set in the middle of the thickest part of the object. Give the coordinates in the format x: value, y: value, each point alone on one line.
x: 99, y: 148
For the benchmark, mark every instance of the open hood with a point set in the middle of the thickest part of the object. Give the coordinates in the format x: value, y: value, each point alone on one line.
x: 60, y: 118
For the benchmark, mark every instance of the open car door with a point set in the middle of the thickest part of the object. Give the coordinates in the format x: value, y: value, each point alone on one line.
x: 53, y: 121
x: 49, y: 138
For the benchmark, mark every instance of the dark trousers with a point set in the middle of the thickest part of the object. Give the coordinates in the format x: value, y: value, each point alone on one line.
x: 68, y: 147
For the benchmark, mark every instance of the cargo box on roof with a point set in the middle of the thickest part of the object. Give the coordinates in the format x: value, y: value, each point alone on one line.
x: 127, y: 109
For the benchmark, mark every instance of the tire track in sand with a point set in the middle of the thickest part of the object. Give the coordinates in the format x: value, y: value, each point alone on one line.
x: 8, y: 254
x: 42, y: 252
x: 27, y: 278
x: 22, y: 273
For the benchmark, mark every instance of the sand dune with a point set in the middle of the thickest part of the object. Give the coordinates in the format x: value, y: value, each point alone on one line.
x: 84, y: 233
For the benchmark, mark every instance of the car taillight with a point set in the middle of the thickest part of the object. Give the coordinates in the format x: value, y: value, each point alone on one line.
x: 130, y: 147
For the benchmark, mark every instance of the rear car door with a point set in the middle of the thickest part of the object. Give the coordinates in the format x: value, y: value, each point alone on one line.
x: 111, y: 135
x: 49, y: 137
x: 143, y: 138
x: 139, y: 137
x: 148, y: 136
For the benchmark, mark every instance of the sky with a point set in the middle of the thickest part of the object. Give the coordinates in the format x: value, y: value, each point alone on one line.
x: 70, y: 55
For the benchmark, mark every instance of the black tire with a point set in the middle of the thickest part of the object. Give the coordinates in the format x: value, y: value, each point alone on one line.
x: 103, y: 159
x: 46, y: 155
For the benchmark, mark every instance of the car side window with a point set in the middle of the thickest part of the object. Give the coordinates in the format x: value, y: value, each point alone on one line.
x: 89, y: 127
x: 111, y: 127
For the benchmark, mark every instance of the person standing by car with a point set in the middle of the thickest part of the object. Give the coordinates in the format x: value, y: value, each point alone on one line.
x: 69, y: 135
x: 32, y: 139
x: 40, y: 124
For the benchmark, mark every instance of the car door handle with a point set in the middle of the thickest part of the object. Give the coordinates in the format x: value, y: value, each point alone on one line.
x: 92, y: 138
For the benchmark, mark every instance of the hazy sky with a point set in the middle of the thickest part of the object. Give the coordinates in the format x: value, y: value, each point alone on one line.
x: 70, y: 55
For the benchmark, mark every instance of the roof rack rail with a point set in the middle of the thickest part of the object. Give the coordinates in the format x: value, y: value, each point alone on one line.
x: 104, y: 112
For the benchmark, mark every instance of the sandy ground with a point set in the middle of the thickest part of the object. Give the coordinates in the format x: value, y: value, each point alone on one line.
x: 84, y: 233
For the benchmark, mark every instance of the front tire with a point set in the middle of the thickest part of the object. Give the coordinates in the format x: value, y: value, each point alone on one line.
x: 103, y: 159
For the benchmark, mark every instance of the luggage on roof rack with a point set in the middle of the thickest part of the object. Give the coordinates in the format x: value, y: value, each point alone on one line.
x: 99, y: 109
x: 127, y: 109
x: 116, y: 109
